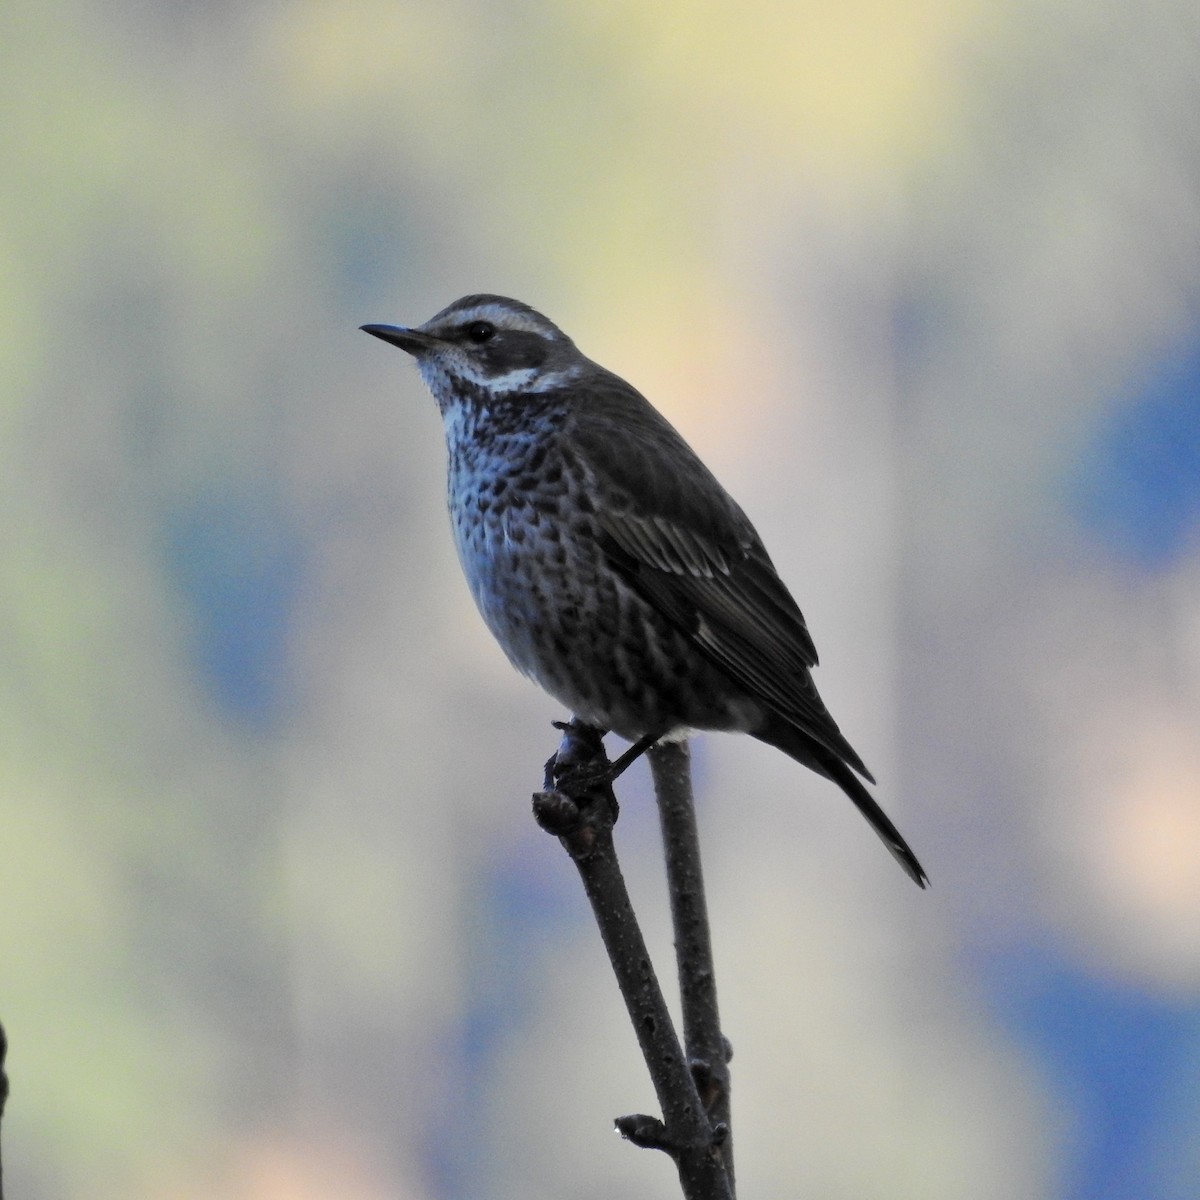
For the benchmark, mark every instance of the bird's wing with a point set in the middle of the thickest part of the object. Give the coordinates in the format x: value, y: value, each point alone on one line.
x: 681, y: 541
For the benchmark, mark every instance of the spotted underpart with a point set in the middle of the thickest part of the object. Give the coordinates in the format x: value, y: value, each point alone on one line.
x: 531, y: 548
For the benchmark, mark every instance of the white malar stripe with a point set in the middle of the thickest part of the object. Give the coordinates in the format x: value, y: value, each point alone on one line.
x: 528, y: 379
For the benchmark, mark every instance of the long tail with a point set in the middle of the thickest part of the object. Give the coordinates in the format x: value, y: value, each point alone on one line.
x: 796, y: 743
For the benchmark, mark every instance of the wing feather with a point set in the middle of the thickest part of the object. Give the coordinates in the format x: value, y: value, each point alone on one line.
x: 683, y: 543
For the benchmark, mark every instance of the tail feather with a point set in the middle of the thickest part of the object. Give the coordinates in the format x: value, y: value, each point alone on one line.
x: 804, y: 749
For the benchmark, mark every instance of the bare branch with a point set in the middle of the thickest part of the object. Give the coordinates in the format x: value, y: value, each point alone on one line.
x: 3, y: 1097
x: 578, y: 807
x: 708, y: 1050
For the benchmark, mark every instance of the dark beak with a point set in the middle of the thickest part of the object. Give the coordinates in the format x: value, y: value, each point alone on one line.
x: 412, y: 340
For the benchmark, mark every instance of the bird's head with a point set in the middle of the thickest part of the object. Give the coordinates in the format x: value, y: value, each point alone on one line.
x: 487, y: 347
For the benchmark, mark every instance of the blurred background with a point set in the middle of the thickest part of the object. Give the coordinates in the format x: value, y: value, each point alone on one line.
x: 920, y: 280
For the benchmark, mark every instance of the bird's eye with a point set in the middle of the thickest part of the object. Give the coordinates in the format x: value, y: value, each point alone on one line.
x: 480, y: 332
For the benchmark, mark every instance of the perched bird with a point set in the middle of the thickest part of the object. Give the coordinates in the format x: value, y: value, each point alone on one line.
x: 607, y: 560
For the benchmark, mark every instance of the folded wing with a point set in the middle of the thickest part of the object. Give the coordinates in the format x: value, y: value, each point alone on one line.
x: 687, y: 548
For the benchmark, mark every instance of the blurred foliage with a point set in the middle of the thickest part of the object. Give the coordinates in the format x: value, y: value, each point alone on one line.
x: 915, y: 279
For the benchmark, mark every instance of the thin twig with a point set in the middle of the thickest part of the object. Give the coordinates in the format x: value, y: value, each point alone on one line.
x: 3, y: 1097
x: 578, y: 806
x: 707, y: 1049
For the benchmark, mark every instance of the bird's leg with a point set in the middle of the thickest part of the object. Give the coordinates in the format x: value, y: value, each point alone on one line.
x: 574, y: 810
x: 579, y: 763
x: 579, y: 757
x: 576, y: 771
x: 632, y: 754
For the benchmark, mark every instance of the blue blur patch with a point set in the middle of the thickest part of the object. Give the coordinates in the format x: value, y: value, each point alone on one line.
x: 1137, y: 490
x: 526, y: 904
x: 237, y: 564
x: 374, y: 242
x: 1118, y: 1055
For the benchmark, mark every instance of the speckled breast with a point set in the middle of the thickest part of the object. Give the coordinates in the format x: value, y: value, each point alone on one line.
x: 523, y: 513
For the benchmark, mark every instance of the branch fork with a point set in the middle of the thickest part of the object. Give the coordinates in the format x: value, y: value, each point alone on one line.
x: 578, y: 806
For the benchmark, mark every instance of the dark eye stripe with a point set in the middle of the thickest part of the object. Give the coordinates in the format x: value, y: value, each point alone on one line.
x: 480, y: 332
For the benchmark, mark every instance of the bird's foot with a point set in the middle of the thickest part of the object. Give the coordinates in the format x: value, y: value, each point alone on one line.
x: 581, y: 762
x: 577, y: 800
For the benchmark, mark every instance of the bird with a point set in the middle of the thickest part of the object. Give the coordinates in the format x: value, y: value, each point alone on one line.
x: 607, y: 560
